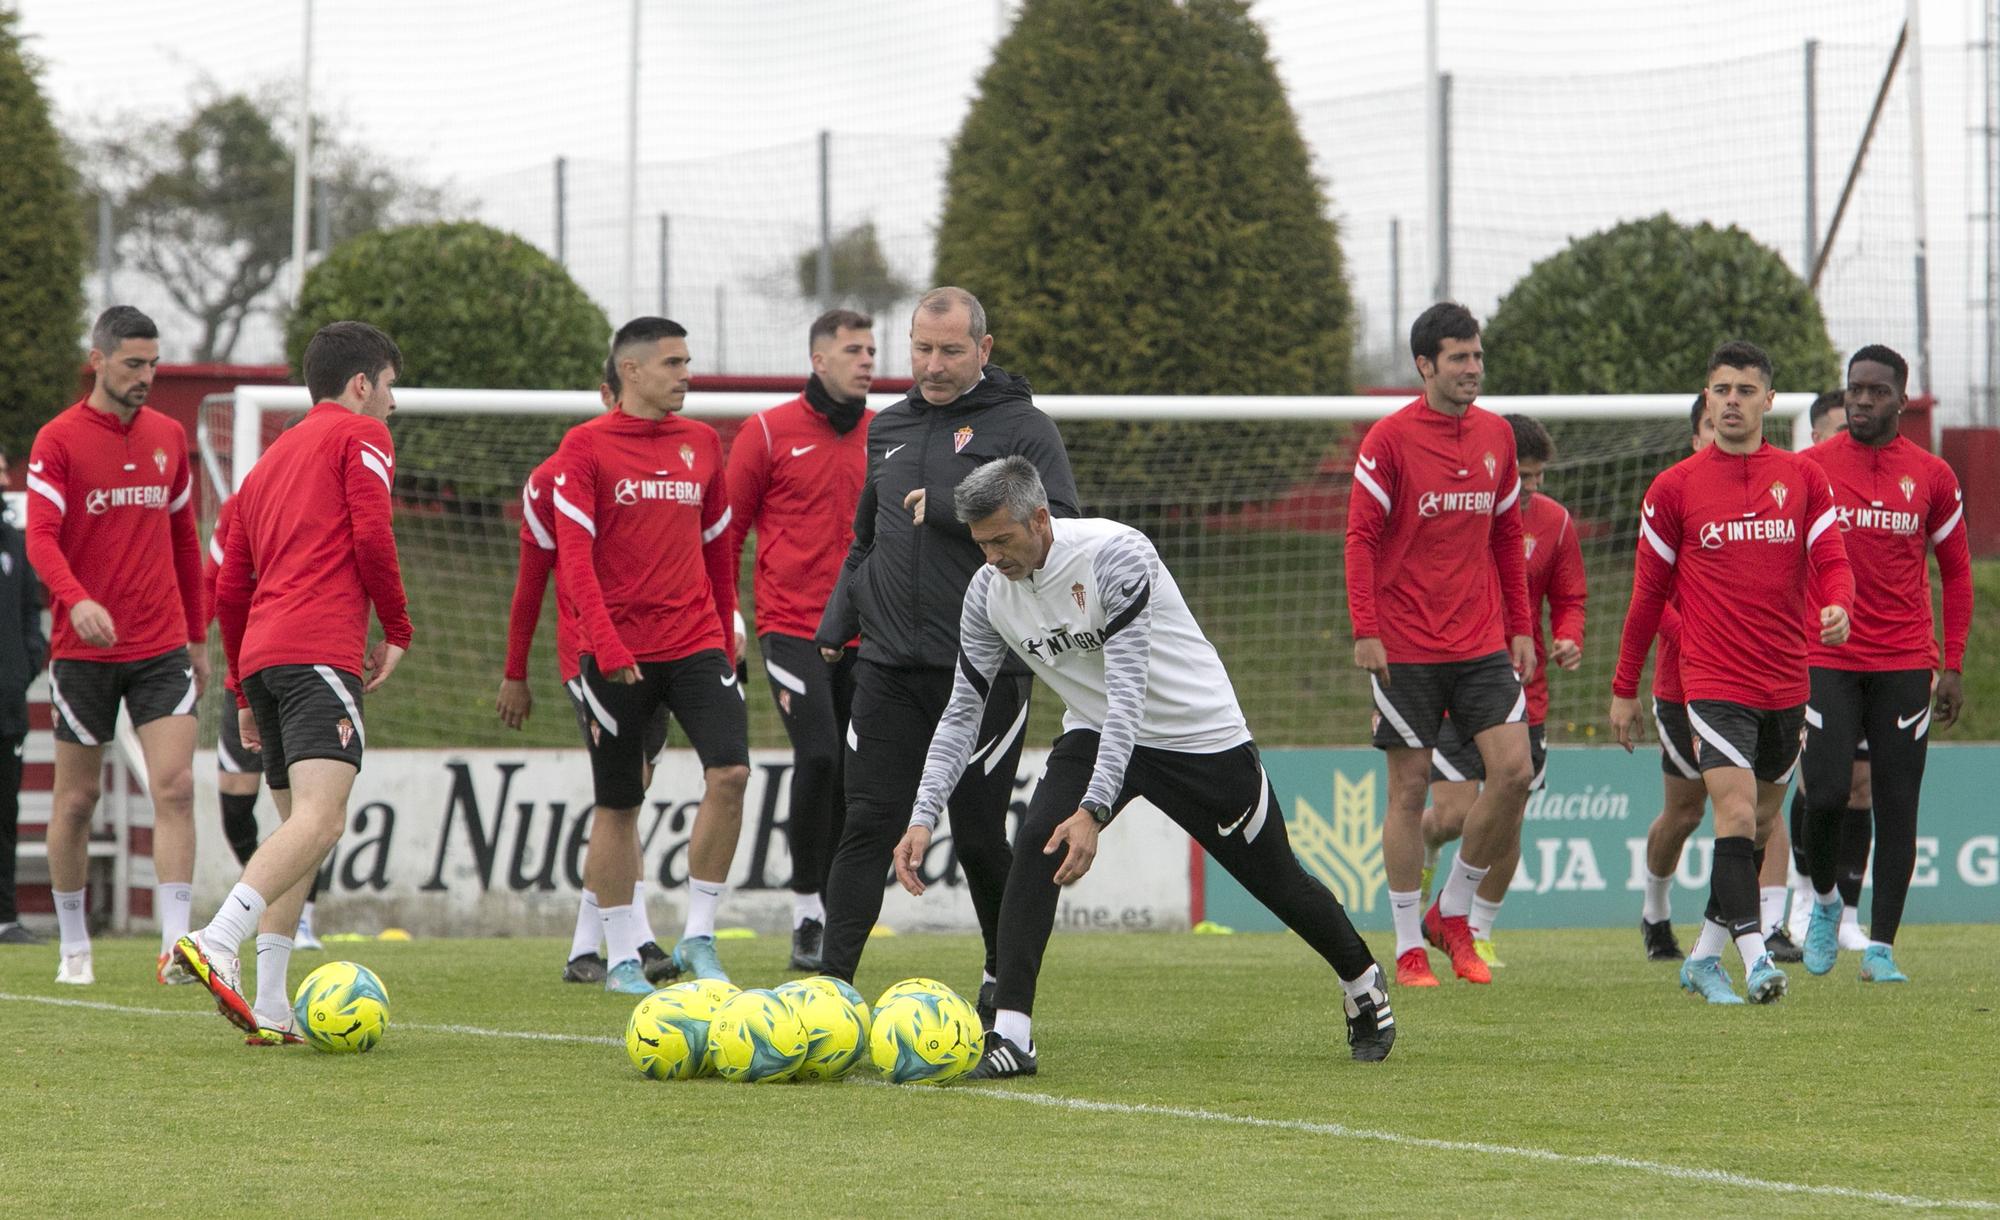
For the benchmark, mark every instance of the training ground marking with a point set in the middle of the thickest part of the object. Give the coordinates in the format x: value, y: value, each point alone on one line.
x: 1659, y: 1169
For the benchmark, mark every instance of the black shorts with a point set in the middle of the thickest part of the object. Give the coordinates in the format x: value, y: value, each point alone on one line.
x: 304, y: 712
x: 1456, y: 758
x: 702, y: 692
x: 1759, y: 740
x: 86, y: 694
x: 1677, y: 757
x: 656, y: 727
x: 232, y: 757
x: 1478, y: 694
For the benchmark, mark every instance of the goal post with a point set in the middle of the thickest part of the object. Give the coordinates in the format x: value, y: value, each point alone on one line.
x: 1245, y: 497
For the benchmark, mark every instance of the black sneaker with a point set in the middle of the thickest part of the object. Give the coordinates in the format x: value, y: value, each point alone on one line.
x: 1660, y: 943
x: 657, y: 964
x: 584, y: 968
x: 1002, y: 1060
x: 1371, y: 1026
x: 807, y: 940
x: 15, y: 934
x: 1782, y: 948
x: 986, y: 1010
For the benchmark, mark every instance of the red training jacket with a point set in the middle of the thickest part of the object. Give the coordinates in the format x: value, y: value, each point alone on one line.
x: 1892, y: 501
x: 795, y: 480
x: 538, y: 562
x: 311, y: 548
x: 643, y: 514
x: 218, y: 542
x: 1555, y: 576
x: 1667, y: 666
x: 1435, y: 562
x: 1735, y: 537
x: 112, y: 520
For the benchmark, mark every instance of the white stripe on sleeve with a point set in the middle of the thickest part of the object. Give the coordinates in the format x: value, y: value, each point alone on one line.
x: 575, y: 514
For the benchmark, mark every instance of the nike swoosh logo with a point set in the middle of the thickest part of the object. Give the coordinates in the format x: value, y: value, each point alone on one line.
x: 561, y: 479
x: 35, y: 467
x: 243, y: 904
x: 797, y: 452
x: 1649, y: 508
x: 729, y: 679
x: 1130, y: 589
x: 189, y: 673
x: 534, y: 492
x: 892, y: 453
x: 1918, y: 715
x: 1367, y: 461
x: 1226, y: 831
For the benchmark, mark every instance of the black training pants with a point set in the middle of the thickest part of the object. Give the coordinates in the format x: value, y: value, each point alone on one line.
x: 1892, y: 710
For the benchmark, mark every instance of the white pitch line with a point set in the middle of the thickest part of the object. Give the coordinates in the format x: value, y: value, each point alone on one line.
x: 1660, y: 1169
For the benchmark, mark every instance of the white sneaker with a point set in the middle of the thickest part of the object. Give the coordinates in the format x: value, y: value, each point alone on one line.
x: 1852, y: 938
x: 303, y: 938
x: 75, y: 970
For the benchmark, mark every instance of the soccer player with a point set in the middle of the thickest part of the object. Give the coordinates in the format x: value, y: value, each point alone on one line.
x: 1555, y: 578
x: 239, y: 771
x: 311, y: 550
x: 516, y: 702
x: 900, y: 588
x: 1685, y: 798
x: 111, y: 532
x: 1734, y: 533
x: 1894, y: 501
x: 24, y: 649
x: 1149, y: 711
x: 1437, y: 589
x: 642, y: 510
x: 1828, y: 415
x: 795, y: 476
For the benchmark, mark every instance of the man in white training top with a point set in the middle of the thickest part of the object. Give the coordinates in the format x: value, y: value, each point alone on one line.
x: 1149, y: 711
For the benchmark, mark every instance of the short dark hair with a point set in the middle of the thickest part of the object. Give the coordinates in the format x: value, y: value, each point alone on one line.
x: 612, y: 379
x: 1878, y: 354
x: 1531, y: 441
x: 833, y: 321
x: 1011, y: 483
x: 1741, y: 354
x: 1697, y: 413
x: 1826, y: 403
x: 342, y: 349
x: 939, y: 302
x: 644, y: 330
x: 1444, y: 320
x: 117, y: 324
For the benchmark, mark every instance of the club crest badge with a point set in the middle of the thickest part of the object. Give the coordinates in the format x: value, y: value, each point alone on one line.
x: 1778, y: 493
x: 160, y: 460
x: 1909, y: 486
x: 1076, y: 591
x: 596, y: 734
x: 784, y: 701
x: 687, y: 456
x: 1528, y: 540
x: 346, y: 730
x: 960, y: 439
x: 1492, y: 464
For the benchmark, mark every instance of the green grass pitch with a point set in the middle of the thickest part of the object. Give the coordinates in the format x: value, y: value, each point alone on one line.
x: 1181, y: 1075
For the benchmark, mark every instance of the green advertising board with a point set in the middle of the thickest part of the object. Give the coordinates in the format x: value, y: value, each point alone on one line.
x: 1583, y: 840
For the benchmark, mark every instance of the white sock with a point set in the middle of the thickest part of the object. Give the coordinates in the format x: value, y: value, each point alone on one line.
x: 589, y: 928
x: 620, y: 941
x: 1016, y: 1027
x: 807, y: 906
x: 274, y: 958
x: 306, y: 917
x: 71, y: 920
x: 1483, y: 915
x: 1408, y: 918
x: 1356, y: 988
x: 234, y: 923
x: 703, y: 898
x: 1770, y: 906
x: 1828, y: 896
x: 172, y: 904
x: 1456, y: 897
x: 1659, y: 903
x: 1851, y: 918
x: 1751, y: 946
x: 1714, y: 938
x: 644, y: 917
x: 1881, y: 944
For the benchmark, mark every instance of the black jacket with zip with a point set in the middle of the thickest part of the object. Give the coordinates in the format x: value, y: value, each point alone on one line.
x: 24, y: 648
x: 903, y: 584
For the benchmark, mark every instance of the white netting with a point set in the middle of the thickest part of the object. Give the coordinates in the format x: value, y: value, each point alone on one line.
x: 1245, y: 498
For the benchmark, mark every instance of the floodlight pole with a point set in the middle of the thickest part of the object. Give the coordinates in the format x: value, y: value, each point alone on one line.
x: 1920, y: 229
x: 302, y: 161
x: 1434, y: 158
x: 628, y: 266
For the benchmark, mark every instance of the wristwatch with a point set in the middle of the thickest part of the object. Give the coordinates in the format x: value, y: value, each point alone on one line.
x: 1098, y: 811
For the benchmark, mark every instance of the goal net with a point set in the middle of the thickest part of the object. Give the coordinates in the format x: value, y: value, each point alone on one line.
x: 1246, y: 499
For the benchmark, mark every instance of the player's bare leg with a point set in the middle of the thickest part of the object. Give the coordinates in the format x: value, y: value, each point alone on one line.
x: 1403, y: 860
x: 167, y: 745
x: 275, y: 930
x: 610, y: 870
x: 1492, y: 832
x: 1686, y: 801
x: 1444, y: 821
x: 711, y: 852
x: 78, y: 783
x: 1744, y: 810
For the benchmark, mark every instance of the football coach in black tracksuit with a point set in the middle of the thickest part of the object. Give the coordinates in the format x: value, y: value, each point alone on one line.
x: 903, y: 587
x: 23, y: 652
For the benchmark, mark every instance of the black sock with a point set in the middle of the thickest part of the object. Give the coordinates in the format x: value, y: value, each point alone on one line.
x: 239, y: 824
x: 1857, y: 828
x: 1734, y: 885
x: 1798, y: 829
